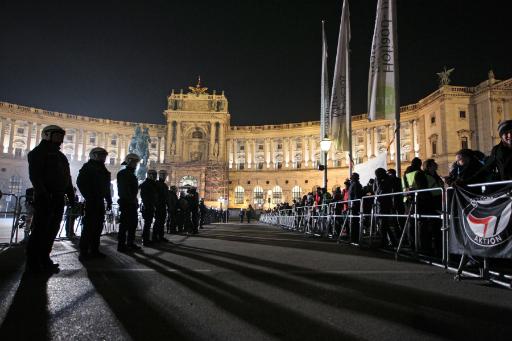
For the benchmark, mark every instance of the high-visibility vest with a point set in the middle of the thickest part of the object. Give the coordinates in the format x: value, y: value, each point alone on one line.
x: 432, y: 183
x: 411, y: 183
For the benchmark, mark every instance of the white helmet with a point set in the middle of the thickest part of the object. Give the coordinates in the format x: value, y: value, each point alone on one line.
x: 95, y: 152
x: 130, y: 157
x: 46, y: 133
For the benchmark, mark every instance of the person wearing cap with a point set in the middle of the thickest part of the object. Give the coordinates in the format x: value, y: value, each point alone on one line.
x: 49, y: 173
x: 161, y: 207
x: 93, y: 181
x: 149, y: 196
x: 172, y: 206
x: 127, y: 189
x: 499, y: 163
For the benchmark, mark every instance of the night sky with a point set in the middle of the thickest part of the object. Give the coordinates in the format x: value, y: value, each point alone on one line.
x: 120, y: 60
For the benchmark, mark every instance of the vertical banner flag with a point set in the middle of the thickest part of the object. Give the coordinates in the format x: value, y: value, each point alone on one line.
x: 340, y: 100
x: 383, y: 77
x: 481, y: 224
x: 324, y: 90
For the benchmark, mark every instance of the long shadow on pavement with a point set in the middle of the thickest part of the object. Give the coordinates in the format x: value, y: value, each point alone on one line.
x: 272, y: 318
x: 28, y: 316
x: 433, y: 313
x: 140, y: 318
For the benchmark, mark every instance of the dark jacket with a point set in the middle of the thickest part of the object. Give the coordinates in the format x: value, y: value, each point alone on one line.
x: 127, y: 186
x: 149, y: 194
x: 49, y: 171
x: 93, y: 181
x: 384, y: 185
x: 162, y: 193
x: 172, y: 201
x: 499, y: 162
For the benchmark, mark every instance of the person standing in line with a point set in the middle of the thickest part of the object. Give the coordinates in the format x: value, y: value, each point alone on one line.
x: 162, y: 203
x: 249, y: 213
x: 149, y: 196
x: 172, y: 205
x: 50, y: 175
x: 242, y: 214
x: 203, y: 211
x: 127, y: 189
x: 193, y: 200
x: 94, y: 183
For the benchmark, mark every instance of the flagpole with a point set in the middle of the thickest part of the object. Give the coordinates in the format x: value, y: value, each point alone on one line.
x: 398, y: 165
x: 349, y: 115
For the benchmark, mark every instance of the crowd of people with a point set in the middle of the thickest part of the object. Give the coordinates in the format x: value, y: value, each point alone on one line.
x: 163, y: 209
x: 469, y: 167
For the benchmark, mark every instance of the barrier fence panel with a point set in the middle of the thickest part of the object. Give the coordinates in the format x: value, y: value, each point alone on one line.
x: 8, y: 213
x: 362, y: 221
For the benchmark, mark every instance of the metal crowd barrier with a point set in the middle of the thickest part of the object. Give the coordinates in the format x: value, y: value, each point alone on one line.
x: 328, y: 220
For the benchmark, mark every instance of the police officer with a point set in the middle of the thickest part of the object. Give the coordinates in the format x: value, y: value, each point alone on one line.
x: 172, y: 206
x: 127, y: 189
x: 203, y: 210
x: 149, y: 196
x: 193, y: 204
x: 161, y: 207
x: 94, y: 183
x: 49, y: 173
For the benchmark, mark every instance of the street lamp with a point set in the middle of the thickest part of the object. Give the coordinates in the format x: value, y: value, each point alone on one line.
x: 325, y: 145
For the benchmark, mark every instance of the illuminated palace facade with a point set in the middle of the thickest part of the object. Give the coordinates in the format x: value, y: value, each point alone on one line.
x: 259, y: 165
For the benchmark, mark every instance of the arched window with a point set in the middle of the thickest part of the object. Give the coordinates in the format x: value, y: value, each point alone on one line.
x: 197, y: 135
x: 239, y: 195
x: 277, y: 195
x: 258, y: 195
x: 297, y: 193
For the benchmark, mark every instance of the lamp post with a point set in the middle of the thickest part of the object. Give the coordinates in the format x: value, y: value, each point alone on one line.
x: 220, y: 200
x: 325, y: 145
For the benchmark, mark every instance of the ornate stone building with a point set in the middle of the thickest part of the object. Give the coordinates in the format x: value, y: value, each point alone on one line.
x: 259, y: 165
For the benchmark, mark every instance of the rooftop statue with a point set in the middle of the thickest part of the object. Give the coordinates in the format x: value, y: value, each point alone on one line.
x: 444, y: 76
x: 198, y: 90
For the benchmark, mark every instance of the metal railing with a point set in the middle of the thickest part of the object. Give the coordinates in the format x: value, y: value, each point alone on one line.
x: 363, y: 219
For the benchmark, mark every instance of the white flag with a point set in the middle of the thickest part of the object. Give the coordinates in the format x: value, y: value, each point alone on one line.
x: 324, y: 91
x: 383, y: 78
x: 340, y: 100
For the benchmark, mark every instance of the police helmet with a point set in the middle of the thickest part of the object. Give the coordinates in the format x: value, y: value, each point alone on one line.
x: 47, y: 131
x: 96, y: 152
x: 130, y: 157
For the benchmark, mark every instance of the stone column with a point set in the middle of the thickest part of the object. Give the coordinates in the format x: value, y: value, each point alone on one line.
x: 222, y: 141
x: 178, y: 139
x: 266, y: 143
x: 168, y: 141
x: 212, y: 141
x: 120, y: 141
x: 305, y: 146
x: 11, y: 137
x: 85, y: 140
x: 38, y: 134
x: 30, y: 126
x: 391, y: 138
x: 368, y: 142
x: 2, y: 135
x: 416, y: 144
x: 375, y: 137
x: 248, y: 154
x: 159, y: 145
x: 107, y: 142
x: 286, y: 151
x: 77, y: 140
x: 230, y: 153
x: 272, y: 152
x: 312, y: 145
x: 254, y: 150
